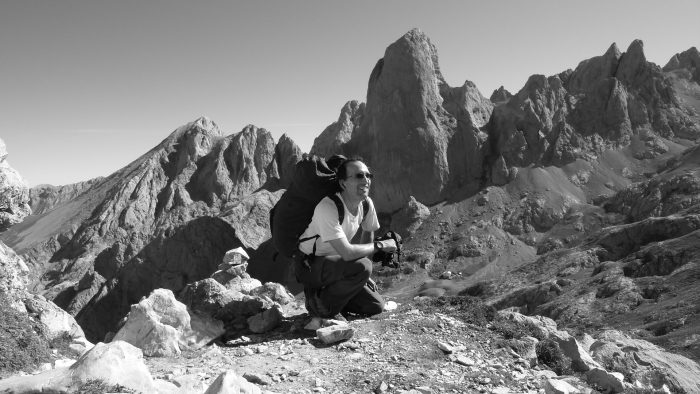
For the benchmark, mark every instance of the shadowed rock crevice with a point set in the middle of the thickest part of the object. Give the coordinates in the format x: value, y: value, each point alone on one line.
x: 190, y: 253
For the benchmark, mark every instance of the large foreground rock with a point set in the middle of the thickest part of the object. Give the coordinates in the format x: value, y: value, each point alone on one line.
x: 115, y: 363
x: 161, y: 326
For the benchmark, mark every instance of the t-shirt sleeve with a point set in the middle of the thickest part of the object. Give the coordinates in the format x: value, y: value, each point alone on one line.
x: 371, y: 223
x: 326, y: 217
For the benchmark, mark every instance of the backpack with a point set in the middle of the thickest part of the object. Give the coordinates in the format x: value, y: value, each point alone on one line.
x: 314, y: 179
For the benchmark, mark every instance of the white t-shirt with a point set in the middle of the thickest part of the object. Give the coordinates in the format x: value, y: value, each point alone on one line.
x: 325, y: 223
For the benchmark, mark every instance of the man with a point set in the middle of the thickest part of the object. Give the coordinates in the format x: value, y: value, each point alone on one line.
x: 334, y: 272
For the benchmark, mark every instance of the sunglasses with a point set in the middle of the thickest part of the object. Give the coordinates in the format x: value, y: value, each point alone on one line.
x: 361, y: 175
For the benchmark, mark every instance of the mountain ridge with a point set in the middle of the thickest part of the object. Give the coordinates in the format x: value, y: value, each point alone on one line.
x: 529, y: 164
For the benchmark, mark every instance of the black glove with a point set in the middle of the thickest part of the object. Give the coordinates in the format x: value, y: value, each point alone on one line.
x: 389, y: 259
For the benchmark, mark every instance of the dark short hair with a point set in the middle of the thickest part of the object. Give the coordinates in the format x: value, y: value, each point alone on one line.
x: 342, y: 171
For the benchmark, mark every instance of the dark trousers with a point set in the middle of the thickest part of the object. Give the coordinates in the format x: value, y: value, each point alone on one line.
x: 342, y: 283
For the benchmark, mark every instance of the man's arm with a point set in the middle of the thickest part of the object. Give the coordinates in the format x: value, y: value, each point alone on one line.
x: 350, y: 252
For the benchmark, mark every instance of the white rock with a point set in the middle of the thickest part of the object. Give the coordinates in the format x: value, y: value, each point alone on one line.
x: 230, y: 383
x: 445, y: 347
x: 555, y: 386
x: 161, y: 326
x: 390, y: 306
x: 335, y: 333
x: 236, y: 256
x: 580, y: 359
x: 466, y: 361
x: 607, y: 380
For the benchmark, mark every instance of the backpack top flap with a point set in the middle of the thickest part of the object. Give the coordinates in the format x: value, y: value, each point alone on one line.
x: 312, y: 181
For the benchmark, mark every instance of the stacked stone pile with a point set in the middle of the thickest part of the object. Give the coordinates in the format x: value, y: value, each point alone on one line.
x: 233, y: 297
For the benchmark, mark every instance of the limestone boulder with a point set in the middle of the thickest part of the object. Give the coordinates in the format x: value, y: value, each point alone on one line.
x: 556, y: 386
x: 161, y: 326
x: 265, y: 321
x: 114, y: 363
x: 14, y: 193
x: 208, y: 296
x: 233, y: 280
x: 247, y: 306
x: 230, y: 383
x: 117, y: 363
x: 335, y: 333
x: 274, y: 291
x: 610, y: 381
x: 580, y: 359
x: 55, y: 322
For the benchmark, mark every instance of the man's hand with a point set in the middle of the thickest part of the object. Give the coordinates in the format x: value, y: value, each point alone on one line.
x: 387, y: 245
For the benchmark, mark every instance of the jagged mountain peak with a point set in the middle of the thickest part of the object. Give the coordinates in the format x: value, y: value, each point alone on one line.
x: 591, y: 71
x: 500, y: 95
x: 687, y: 60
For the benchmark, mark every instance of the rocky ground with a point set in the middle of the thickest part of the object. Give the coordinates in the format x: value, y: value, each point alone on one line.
x: 444, y: 345
x: 392, y: 352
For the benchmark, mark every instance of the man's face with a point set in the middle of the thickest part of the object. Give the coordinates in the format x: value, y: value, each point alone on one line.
x: 357, y: 187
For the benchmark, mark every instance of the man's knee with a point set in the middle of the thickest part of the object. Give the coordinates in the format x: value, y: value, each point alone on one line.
x: 366, y: 266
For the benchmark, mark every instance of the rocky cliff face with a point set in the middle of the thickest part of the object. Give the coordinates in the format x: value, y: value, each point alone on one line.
x: 331, y: 140
x: 163, y: 221
x: 424, y: 135
x: 433, y: 141
x: 578, y: 114
x: 14, y: 193
x: 44, y: 198
x: 687, y: 62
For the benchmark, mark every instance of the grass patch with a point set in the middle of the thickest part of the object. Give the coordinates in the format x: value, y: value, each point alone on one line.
x: 21, y: 348
x: 98, y: 386
x: 480, y: 289
x: 549, y: 354
x: 468, y: 309
x: 510, y: 329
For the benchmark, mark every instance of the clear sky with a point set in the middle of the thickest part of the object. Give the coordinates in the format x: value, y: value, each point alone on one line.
x: 88, y: 86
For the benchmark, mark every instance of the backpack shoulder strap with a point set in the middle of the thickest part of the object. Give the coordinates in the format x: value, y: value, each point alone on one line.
x: 365, y: 209
x: 339, y: 205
